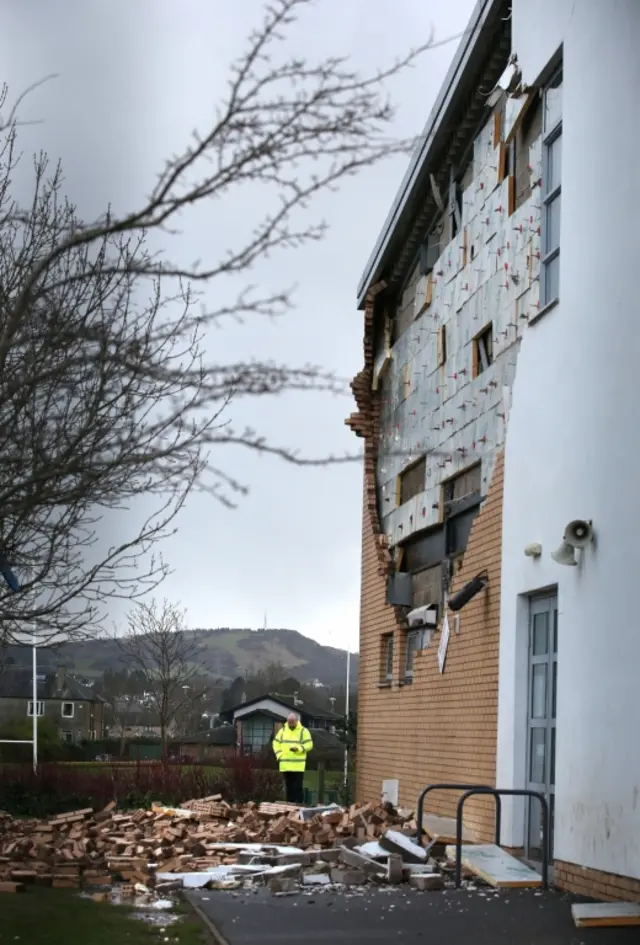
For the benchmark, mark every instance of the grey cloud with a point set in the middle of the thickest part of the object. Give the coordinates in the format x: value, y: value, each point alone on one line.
x: 134, y: 79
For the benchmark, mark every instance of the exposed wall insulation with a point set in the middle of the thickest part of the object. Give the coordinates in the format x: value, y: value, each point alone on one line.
x: 489, y: 273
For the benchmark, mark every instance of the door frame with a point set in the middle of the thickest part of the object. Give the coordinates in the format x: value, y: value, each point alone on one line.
x: 541, y: 603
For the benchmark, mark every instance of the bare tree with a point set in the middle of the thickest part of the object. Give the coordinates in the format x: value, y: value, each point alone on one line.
x: 122, y: 690
x: 107, y: 391
x: 158, y: 645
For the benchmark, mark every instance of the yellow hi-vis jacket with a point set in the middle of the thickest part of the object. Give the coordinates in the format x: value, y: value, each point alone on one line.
x: 291, y: 747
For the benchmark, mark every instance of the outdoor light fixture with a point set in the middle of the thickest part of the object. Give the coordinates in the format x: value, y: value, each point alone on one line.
x: 466, y: 593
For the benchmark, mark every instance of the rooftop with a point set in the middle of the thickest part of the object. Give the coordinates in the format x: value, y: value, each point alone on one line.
x: 458, y: 109
x: 16, y: 683
x: 305, y: 708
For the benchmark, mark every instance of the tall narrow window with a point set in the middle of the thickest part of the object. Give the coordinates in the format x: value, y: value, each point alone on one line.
x: 413, y: 646
x: 386, y: 674
x: 482, y: 355
x: 551, y: 190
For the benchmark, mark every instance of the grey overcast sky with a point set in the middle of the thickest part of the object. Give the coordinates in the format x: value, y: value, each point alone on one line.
x: 134, y: 78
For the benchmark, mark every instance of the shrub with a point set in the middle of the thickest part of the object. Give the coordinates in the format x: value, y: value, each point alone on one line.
x: 50, y: 747
x: 58, y: 788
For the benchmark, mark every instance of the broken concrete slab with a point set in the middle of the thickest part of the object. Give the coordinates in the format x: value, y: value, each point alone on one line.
x: 605, y: 914
x: 316, y: 879
x: 358, y: 861
x: 497, y: 867
x: 284, y: 859
x: 419, y: 868
x: 373, y: 850
x: 292, y: 869
x: 427, y: 882
x: 395, y: 842
x: 283, y: 884
x: 395, y: 869
x: 328, y: 856
x: 348, y: 877
x: 443, y: 829
x: 350, y: 842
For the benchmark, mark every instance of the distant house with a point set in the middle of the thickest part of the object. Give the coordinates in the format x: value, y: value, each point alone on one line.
x: 205, y: 746
x: 76, y: 710
x: 257, y: 721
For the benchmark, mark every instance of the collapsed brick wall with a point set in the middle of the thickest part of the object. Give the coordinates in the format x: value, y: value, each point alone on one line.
x: 442, y: 727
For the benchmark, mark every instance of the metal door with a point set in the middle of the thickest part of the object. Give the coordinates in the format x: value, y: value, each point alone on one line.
x: 541, y: 718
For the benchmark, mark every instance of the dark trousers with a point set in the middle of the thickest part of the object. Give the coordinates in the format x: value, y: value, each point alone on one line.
x: 294, y: 786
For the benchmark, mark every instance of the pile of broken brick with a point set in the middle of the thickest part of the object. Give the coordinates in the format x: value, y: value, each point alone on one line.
x: 208, y: 843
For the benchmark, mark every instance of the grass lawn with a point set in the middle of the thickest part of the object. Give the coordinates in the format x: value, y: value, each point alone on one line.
x: 332, y: 780
x: 57, y: 917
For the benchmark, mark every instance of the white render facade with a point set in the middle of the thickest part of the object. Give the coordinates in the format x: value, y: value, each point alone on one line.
x: 554, y: 274
x: 573, y: 447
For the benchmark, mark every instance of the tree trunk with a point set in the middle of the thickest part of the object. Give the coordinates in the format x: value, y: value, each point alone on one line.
x: 165, y: 746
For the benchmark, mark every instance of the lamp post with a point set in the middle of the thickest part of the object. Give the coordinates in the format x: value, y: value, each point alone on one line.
x: 34, y: 695
x: 14, y: 584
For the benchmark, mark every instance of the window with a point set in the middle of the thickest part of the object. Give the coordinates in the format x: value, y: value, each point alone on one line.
x: 461, y: 500
x: 458, y: 531
x: 430, y: 250
x: 67, y: 710
x: 551, y: 190
x: 442, y: 345
x: 426, y: 586
x: 413, y: 646
x: 483, y: 350
x: 387, y: 658
x: 528, y: 132
x: 257, y: 733
x: 67, y: 736
x: 411, y: 482
x: 39, y: 709
x: 422, y: 560
x: 463, y: 485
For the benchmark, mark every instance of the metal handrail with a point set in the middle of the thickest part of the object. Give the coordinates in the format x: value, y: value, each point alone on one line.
x: 479, y: 788
x: 498, y: 793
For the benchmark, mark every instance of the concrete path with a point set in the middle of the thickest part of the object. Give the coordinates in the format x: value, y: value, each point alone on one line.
x: 389, y: 915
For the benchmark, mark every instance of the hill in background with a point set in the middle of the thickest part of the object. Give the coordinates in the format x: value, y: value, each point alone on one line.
x: 228, y: 653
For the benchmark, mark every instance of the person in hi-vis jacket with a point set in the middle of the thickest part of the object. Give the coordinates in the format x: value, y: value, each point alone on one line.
x: 291, y: 746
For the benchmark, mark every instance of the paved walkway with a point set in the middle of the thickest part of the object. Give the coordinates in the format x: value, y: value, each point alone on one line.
x: 379, y: 915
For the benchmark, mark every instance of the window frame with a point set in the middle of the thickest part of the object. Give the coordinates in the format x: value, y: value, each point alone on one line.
x: 39, y: 708
x: 387, y: 654
x: 461, y: 507
x: 63, y: 714
x: 550, y: 197
x: 482, y: 350
x: 418, y: 636
x: 433, y: 569
x: 406, y: 476
x: 260, y: 734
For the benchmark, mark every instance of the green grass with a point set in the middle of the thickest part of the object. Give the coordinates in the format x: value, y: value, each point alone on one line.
x: 57, y: 917
x: 332, y: 780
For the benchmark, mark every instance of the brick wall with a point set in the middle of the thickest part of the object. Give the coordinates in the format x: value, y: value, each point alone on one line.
x: 595, y: 884
x: 442, y: 727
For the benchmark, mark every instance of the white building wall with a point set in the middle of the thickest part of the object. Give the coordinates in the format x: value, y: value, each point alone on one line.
x: 573, y: 445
